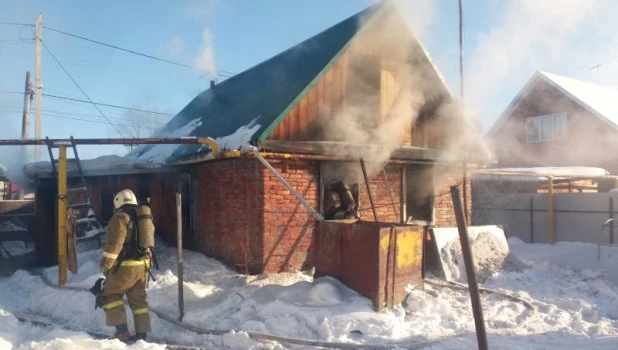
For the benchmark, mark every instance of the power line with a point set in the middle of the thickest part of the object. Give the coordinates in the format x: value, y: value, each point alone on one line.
x: 107, y: 105
x: 133, y: 51
x: 80, y: 88
x: 96, y: 103
x: 17, y: 24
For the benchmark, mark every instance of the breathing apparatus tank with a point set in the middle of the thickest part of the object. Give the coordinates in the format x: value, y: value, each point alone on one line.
x: 145, y: 227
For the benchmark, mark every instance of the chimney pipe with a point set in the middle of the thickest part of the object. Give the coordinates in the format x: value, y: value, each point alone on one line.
x: 212, y: 84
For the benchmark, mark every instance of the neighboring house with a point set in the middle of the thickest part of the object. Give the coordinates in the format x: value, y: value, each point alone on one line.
x: 364, y: 88
x: 558, y: 121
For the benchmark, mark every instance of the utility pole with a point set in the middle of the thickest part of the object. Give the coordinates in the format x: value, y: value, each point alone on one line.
x: 38, y: 84
x: 25, y: 123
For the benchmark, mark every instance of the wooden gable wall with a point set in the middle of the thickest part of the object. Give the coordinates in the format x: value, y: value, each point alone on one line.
x: 381, y: 54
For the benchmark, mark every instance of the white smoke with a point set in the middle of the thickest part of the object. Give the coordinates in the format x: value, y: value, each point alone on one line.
x: 528, y: 36
x: 205, y: 58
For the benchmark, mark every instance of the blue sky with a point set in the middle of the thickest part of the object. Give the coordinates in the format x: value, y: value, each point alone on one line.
x: 505, y: 42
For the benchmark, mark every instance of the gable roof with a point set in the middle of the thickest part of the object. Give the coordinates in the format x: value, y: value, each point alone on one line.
x: 600, y: 101
x: 247, y: 107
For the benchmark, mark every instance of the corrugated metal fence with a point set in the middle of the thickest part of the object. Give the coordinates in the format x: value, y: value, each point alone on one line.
x: 578, y: 217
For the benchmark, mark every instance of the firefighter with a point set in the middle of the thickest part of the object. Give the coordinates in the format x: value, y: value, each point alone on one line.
x: 126, y: 271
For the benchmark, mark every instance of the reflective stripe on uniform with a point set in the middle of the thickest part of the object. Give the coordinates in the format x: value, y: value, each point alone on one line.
x: 112, y: 305
x: 135, y: 263
x: 110, y: 255
x: 140, y: 311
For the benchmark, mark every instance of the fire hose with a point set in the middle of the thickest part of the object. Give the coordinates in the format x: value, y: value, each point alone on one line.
x: 261, y: 337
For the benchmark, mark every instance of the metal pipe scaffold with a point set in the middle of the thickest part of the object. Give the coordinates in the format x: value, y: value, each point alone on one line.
x: 62, y: 144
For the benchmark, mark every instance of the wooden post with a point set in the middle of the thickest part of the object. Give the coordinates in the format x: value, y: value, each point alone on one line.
x: 62, y: 214
x: 25, y: 123
x: 181, y: 302
x: 477, y: 309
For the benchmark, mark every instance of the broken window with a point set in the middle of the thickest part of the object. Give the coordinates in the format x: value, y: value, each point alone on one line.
x: 340, y: 191
x: 419, y: 194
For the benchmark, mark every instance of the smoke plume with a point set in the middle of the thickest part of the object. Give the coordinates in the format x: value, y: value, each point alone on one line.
x: 205, y: 58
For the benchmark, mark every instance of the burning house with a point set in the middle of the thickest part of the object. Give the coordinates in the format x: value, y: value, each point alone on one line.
x: 357, y: 119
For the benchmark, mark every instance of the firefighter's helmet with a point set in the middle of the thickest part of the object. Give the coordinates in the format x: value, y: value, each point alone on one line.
x: 123, y: 197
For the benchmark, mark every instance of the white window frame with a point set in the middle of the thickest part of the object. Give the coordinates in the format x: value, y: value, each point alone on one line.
x: 544, y: 135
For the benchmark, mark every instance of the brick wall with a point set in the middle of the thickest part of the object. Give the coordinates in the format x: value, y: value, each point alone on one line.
x: 443, y: 203
x: 288, y: 225
x: 248, y: 219
x: 230, y: 222
x: 380, y: 187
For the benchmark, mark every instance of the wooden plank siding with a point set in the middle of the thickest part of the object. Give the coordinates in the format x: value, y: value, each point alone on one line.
x: 162, y: 188
x: 328, y: 97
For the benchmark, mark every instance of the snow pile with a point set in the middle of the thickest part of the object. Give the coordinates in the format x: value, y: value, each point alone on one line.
x: 490, y: 252
x: 490, y: 256
x: 12, y: 249
x: 10, y: 226
x: 575, y: 308
x: 103, y: 163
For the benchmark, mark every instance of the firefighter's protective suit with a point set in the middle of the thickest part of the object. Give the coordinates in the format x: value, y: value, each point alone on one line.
x: 130, y: 277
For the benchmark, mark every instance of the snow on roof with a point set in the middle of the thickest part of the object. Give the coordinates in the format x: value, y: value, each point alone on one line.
x: 158, y: 153
x: 238, y: 140
x: 537, y: 173
x: 602, y: 100
x: 100, y: 164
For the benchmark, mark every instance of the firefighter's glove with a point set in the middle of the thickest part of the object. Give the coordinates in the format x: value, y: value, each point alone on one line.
x: 105, y: 272
x: 97, y: 290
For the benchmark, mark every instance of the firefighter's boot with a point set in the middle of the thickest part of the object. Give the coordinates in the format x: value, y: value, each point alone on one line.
x: 122, y: 333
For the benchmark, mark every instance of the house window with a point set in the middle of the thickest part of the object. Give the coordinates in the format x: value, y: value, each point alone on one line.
x: 545, y: 128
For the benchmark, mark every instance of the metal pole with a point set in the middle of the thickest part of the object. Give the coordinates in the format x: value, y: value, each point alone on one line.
x: 373, y: 208
x: 38, y: 84
x: 404, y: 196
x: 611, y: 223
x: 62, y: 214
x: 531, y: 219
x: 477, y: 309
x: 550, y: 209
x: 313, y: 212
x: 181, y: 302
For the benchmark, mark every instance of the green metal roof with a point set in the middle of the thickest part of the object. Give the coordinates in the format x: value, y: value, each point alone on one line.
x: 263, y: 95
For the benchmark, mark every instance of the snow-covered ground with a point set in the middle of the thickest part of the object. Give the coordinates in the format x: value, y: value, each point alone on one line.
x: 575, y: 308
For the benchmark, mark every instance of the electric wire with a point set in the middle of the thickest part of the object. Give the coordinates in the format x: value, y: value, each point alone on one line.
x: 220, y: 72
x: 80, y: 88
x: 95, y: 103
